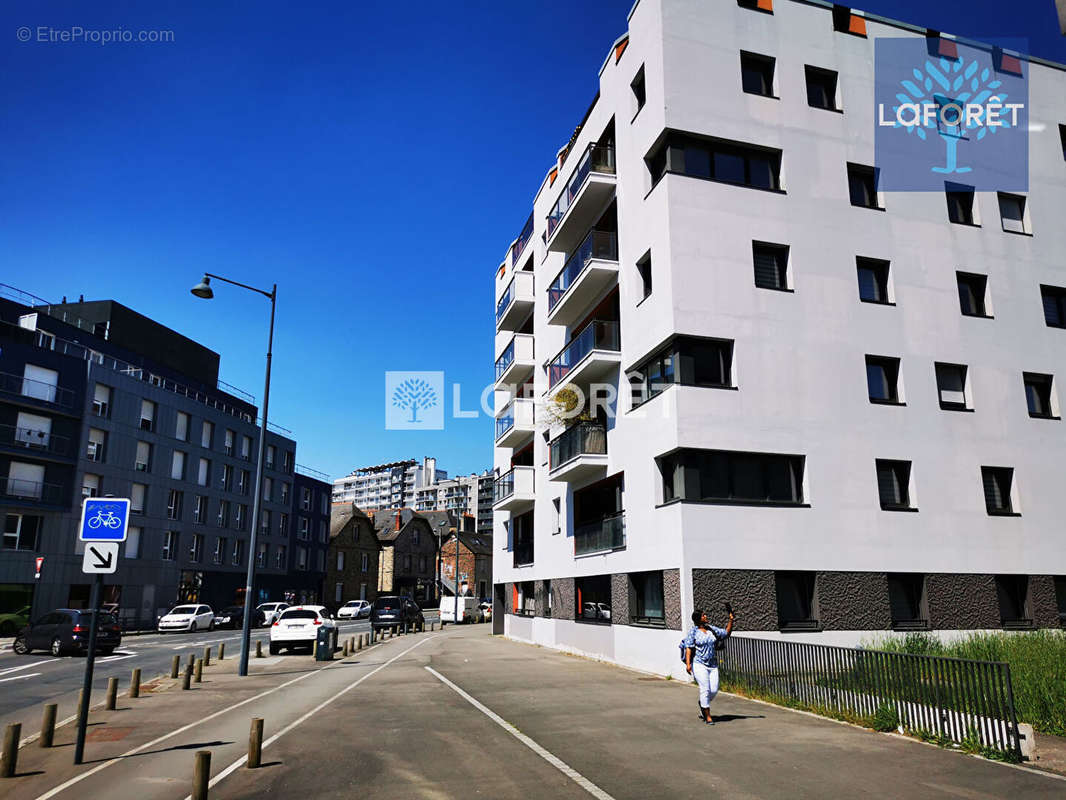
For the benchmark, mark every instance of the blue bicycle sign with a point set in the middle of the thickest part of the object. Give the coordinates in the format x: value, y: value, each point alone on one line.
x: 104, y: 519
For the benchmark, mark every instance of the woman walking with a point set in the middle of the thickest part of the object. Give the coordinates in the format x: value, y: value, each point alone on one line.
x: 701, y: 660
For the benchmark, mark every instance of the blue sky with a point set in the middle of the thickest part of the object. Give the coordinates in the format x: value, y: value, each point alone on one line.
x: 374, y: 159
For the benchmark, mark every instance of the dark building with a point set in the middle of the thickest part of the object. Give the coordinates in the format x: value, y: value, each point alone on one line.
x: 96, y: 399
x: 406, y: 563
x: 352, y: 560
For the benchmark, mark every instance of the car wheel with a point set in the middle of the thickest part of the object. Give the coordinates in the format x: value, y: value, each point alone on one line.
x: 211, y: 625
x: 57, y: 647
x: 192, y: 628
x: 20, y: 646
x: 274, y: 649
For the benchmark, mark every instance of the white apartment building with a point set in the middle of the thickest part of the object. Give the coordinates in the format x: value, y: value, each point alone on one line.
x: 392, y: 485
x: 465, y: 494
x: 833, y: 407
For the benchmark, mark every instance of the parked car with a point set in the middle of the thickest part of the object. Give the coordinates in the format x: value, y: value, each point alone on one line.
x: 395, y: 610
x: 354, y: 609
x: 187, y: 618
x: 233, y: 617
x: 270, y: 611
x: 298, y: 626
x: 485, y: 609
x: 595, y: 611
x: 468, y: 610
x: 66, y: 630
x: 12, y: 623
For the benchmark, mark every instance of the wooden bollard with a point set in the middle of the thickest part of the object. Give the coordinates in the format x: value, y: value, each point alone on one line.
x: 359, y: 642
x: 345, y: 648
x: 135, y: 683
x: 221, y: 651
x: 112, y: 694
x: 77, y: 715
x: 186, y: 677
x: 48, y: 725
x: 198, y: 675
x: 258, y: 648
x: 255, y: 743
x: 175, y: 666
x: 192, y: 660
x: 207, y: 656
x: 9, y: 757
x: 201, y: 774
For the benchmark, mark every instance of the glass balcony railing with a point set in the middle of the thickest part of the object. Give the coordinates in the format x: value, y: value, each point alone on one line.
x: 503, y: 487
x: 506, y: 422
x: 522, y: 240
x: 596, y: 335
x: 20, y: 489
x: 584, y: 438
x: 608, y: 533
x: 602, y: 245
x: 34, y: 440
x: 596, y: 158
x: 38, y: 390
x: 505, y: 360
x: 505, y: 301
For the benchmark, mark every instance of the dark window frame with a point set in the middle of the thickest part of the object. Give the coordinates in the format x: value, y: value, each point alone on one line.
x: 902, y: 472
x: 827, y: 81
x: 864, y: 173
x: 669, y: 365
x: 597, y: 586
x: 998, y: 480
x: 962, y: 201
x: 915, y: 598
x: 891, y: 367
x: 762, y: 67
x: 1042, y: 385
x: 697, y: 156
x: 718, y: 477
x: 965, y: 405
x: 879, y: 270
x: 635, y: 581
x: 971, y: 281
x: 1053, y: 299
x: 805, y: 584
x: 644, y: 271
x: 1014, y: 597
x: 781, y: 253
x: 639, y: 87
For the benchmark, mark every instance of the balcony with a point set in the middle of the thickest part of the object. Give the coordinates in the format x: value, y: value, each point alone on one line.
x: 590, y: 356
x: 520, y: 243
x: 514, y: 426
x: 513, y: 491
x: 601, y: 536
x: 515, y: 303
x: 23, y: 490
x: 578, y: 453
x: 582, y: 199
x: 592, y: 268
x: 42, y: 442
x: 515, y: 364
x: 39, y: 391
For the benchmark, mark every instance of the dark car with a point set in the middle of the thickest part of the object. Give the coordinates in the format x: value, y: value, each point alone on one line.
x: 233, y: 617
x: 392, y: 610
x: 66, y: 630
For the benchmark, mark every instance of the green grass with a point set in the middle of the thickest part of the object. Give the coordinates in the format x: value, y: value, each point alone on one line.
x: 1037, y: 665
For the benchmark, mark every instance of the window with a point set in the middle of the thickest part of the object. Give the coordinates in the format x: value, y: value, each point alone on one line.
x: 766, y: 6
x: 102, y: 400
x: 285, y: 494
x: 1012, y: 213
x: 196, y: 552
x: 21, y: 531
x: 423, y: 563
x: 90, y: 485
x: 951, y: 387
x: 646, y: 598
x: 523, y: 600
x: 340, y: 561
x: 243, y: 482
x: 283, y: 524
x: 147, y: 415
x: 286, y: 461
x: 862, y: 185
x: 199, y: 509
x: 143, y: 460
x: 238, y: 553
x: 181, y: 427
x: 264, y: 521
x: 223, y: 514
x: 261, y: 554
x: 1013, y: 594
x: 96, y: 448
x: 882, y: 379
x: 240, y: 517
x: 844, y: 21
x: 728, y: 476
x: 320, y: 561
x: 593, y: 597
x: 998, y: 483
x: 1039, y: 397
x: 644, y: 270
x: 279, y: 557
x: 338, y: 592
x: 133, y: 542
x: 304, y: 531
x: 177, y: 466
x: 960, y: 205
x: 771, y: 265
x: 174, y: 502
x: 973, y: 294
x: 323, y: 533
x: 906, y: 601
x: 301, y: 558
x: 797, y: 601
x: 41, y: 383
x: 522, y: 539
x: 719, y: 160
x: 873, y: 281
x: 639, y: 90
x: 1054, y: 300
x: 138, y: 498
x: 170, y: 545
x: 227, y: 447
x: 894, y: 485
x: 25, y: 480
x: 268, y: 489
x: 226, y: 481
x: 305, y: 498
x: 246, y: 448
x: 821, y: 88
x: 270, y: 453
x: 203, y: 473
x: 1062, y: 138
x: 220, y: 550
x: 207, y: 434
x: 364, y: 563
x: 757, y: 74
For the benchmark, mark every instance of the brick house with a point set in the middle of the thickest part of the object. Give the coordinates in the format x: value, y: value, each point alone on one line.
x: 475, y: 564
x: 408, y: 548
x: 352, y: 562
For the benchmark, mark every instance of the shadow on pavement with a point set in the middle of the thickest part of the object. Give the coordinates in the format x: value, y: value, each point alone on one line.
x: 190, y: 746
x: 731, y: 717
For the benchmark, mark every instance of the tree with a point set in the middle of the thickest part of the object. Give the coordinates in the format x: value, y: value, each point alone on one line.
x: 414, y: 394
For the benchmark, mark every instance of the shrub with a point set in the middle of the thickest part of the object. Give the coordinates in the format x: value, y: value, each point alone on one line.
x: 886, y: 718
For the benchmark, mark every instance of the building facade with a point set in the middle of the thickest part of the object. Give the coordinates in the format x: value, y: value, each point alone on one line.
x: 475, y: 564
x: 392, y: 485
x: 732, y: 370
x: 99, y: 400
x: 465, y: 494
x: 406, y: 563
x: 352, y: 561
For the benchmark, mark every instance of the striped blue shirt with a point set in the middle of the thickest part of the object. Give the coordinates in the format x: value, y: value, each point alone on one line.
x: 703, y: 643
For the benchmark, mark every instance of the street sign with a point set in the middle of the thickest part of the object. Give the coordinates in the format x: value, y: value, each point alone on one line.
x: 104, y: 519
x: 100, y: 557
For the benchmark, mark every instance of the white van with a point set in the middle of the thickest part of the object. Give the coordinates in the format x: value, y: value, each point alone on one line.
x: 468, y: 610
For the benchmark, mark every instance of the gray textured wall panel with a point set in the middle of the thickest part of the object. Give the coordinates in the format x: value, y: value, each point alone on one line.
x: 961, y: 602
x: 853, y: 601
x: 672, y: 598
x: 620, y: 599
x: 750, y: 591
x: 563, y: 598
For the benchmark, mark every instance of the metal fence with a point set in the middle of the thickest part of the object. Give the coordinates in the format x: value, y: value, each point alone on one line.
x: 947, y: 697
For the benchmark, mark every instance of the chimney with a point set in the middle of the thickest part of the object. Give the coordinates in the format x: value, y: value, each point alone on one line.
x: 81, y: 298
x: 399, y: 519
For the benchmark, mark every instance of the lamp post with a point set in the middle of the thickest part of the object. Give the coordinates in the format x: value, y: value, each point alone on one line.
x: 203, y: 290
x: 440, y: 563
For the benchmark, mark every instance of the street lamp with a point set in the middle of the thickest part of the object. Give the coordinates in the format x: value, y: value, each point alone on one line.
x: 203, y: 290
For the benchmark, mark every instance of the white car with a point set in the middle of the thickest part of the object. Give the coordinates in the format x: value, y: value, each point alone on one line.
x: 298, y: 626
x: 270, y: 611
x: 354, y: 609
x: 187, y: 618
x: 486, y: 611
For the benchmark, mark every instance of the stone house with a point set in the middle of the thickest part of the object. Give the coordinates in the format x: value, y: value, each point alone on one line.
x: 408, y: 547
x: 352, y: 562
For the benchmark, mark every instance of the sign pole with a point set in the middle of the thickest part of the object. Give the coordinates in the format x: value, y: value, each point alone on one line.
x: 90, y: 658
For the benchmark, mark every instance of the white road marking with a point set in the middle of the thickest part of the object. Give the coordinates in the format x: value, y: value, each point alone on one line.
x: 9, y: 670
x: 114, y: 658
x: 564, y: 768
x: 20, y: 677
x: 243, y: 759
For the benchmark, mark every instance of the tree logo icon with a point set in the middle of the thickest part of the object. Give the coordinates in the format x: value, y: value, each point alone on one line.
x: 414, y: 394
x: 413, y: 400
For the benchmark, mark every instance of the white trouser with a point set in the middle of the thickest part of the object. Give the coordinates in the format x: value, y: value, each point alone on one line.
x: 707, y: 679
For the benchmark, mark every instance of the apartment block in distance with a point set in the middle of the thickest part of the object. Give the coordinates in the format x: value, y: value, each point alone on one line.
x: 465, y: 494
x: 391, y: 485
x: 836, y: 408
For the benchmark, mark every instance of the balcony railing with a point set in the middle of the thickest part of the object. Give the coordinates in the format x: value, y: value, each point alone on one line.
x: 584, y: 438
x: 505, y: 360
x: 503, y: 486
x: 20, y: 489
x: 596, y: 335
x: 602, y: 245
x: 604, y: 535
x: 505, y: 301
x: 522, y: 240
x: 597, y: 158
x: 34, y: 440
x: 38, y: 390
